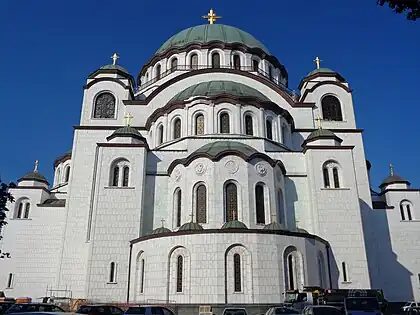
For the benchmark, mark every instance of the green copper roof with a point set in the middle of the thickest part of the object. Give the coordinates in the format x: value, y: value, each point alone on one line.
x: 203, y: 34
x: 320, y: 70
x: 320, y: 133
x: 393, y: 179
x: 214, y: 88
x: 190, y: 226
x: 161, y: 230
x: 126, y: 131
x: 235, y: 224
x: 34, y: 176
x: 114, y: 67
x: 273, y: 226
x: 214, y: 148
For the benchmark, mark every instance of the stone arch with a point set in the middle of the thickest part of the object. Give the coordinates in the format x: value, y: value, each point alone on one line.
x: 294, y: 277
x: 140, y: 272
x: 173, y: 262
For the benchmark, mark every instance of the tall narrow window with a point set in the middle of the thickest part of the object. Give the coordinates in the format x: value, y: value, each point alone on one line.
x: 344, y: 267
x: 280, y: 207
x: 335, y: 177
x: 199, y: 124
x: 249, y: 128
x: 27, y: 208
x: 255, y: 65
x: 326, y: 177
x: 237, y: 272
x: 237, y: 62
x: 104, y: 106
x: 158, y: 71
x: 20, y: 210
x: 58, y: 177
x: 215, y: 60
x: 224, y: 123
x: 291, y: 271
x: 10, y: 281
x: 126, y: 174
x: 67, y: 175
x: 201, y: 204
x: 160, y: 134
x: 115, y: 176
x: 179, y: 270
x: 142, y: 276
x: 231, y: 202
x: 269, y: 129
x: 177, y: 128
x: 112, y: 272
x: 402, y: 212
x: 174, y: 64
x: 409, y: 212
x: 194, y: 61
x: 259, y: 204
x: 178, y: 200
x: 270, y: 72
x: 331, y: 108
x: 284, y: 134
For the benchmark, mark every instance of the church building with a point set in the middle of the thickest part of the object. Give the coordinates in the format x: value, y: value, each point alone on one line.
x: 207, y: 180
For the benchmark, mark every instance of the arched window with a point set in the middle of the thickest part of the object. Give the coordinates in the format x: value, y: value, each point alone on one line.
x: 199, y: 124
x: 158, y: 71
x: 104, y: 106
x: 178, y: 206
x: 67, y: 175
x: 112, y: 272
x: 57, y: 177
x: 224, y: 123
x: 293, y: 269
x: 405, y: 210
x: 331, y: 108
x: 160, y: 134
x: 344, y: 270
x: 115, y: 176
x: 27, y: 208
x: 326, y: 177
x: 249, y: 128
x: 215, y: 60
x: 194, y: 61
x: 270, y: 73
x: 231, y: 202
x: 259, y: 203
x: 179, y: 272
x: 284, y: 134
x: 174, y: 64
x: 20, y: 210
x: 142, y: 276
x: 126, y: 174
x: 255, y: 65
x: 280, y: 207
x: 269, y: 129
x: 335, y: 177
x: 237, y: 273
x: 291, y: 272
x: 331, y: 175
x: 177, y: 128
x: 237, y: 62
x: 201, y: 204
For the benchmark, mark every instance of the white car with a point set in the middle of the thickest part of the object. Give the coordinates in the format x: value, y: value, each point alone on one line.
x: 409, y: 305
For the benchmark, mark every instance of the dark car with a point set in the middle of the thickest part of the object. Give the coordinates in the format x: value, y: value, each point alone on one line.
x: 99, y: 310
x: 148, y: 310
x: 281, y: 310
x: 33, y: 307
x: 4, y: 306
x: 321, y: 310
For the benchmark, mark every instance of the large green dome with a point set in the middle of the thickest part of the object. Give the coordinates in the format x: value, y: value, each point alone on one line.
x: 203, y: 34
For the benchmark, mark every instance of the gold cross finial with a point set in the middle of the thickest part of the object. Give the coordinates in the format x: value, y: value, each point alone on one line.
x: 391, y: 170
x: 128, y: 118
x: 211, y: 17
x: 36, y: 166
x: 318, y: 122
x: 114, y: 59
x: 318, y: 62
x: 163, y: 221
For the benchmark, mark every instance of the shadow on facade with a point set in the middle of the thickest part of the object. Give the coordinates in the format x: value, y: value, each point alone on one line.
x: 385, y: 271
x: 334, y: 274
x: 292, y: 197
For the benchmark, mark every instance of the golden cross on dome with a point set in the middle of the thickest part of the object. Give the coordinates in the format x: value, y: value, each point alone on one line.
x: 128, y: 118
x: 114, y: 59
x: 391, y: 170
x: 318, y: 62
x: 318, y: 122
x: 211, y: 17
x: 36, y: 166
x: 163, y: 221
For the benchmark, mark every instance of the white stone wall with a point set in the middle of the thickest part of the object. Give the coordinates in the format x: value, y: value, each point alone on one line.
x: 262, y: 272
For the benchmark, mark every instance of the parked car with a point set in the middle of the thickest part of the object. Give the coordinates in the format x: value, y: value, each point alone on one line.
x: 4, y: 306
x: 99, y: 310
x: 33, y: 307
x: 321, y: 310
x: 409, y: 305
x: 234, y: 311
x: 148, y: 310
x: 281, y: 310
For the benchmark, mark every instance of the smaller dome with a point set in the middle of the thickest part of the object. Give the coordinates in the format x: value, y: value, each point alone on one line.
x: 161, y: 230
x: 320, y: 133
x: 190, y: 226
x: 235, y: 224
x: 320, y: 70
x: 127, y: 131
x: 36, y: 176
x: 394, y: 179
x: 273, y: 226
x: 114, y: 67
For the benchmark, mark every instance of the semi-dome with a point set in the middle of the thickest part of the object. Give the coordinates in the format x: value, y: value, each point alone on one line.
x: 114, y: 67
x: 161, y: 230
x: 235, y: 224
x: 126, y: 131
x: 35, y: 176
x: 190, y: 226
x: 320, y: 133
x: 214, y: 88
x: 204, y: 34
x: 213, y: 149
x: 393, y: 179
x: 320, y: 70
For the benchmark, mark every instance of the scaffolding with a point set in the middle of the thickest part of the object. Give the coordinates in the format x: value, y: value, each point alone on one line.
x: 59, y: 297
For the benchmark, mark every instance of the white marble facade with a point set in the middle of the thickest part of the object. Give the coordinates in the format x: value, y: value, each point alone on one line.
x: 254, y: 198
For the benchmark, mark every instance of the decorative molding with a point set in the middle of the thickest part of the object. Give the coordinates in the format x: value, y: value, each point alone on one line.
x: 118, y: 81
x: 33, y: 187
x: 261, y: 169
x: 93, y: 127
x: 123, y: 145
x: 321, y: 75
x: 177, y: 175
x: 231, y: 166
x: 200, y: 168
x: 332, y: 129
x: 310, y: 90
x: 326, y: 147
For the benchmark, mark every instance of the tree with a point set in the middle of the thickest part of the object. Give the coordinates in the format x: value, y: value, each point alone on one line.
x: 410, y: 7
x: 5, y: 196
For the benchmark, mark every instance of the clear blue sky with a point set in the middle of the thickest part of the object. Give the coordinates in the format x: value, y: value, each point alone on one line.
x: 48, y: 48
